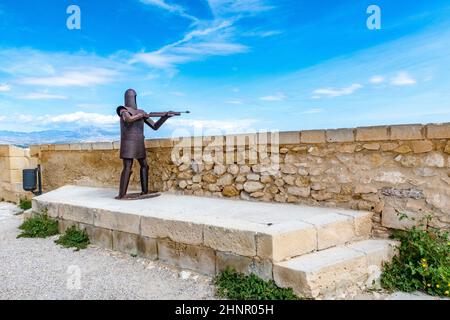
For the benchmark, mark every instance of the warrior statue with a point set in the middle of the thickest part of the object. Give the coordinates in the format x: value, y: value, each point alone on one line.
x: 132, y: 144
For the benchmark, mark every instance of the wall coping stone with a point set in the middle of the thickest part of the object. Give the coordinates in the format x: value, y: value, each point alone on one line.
x: 342, y: 135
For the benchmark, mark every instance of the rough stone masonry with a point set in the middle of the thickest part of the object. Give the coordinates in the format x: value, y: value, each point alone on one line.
x: 389, y: 170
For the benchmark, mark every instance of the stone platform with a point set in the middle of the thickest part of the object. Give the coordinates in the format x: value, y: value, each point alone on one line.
x: 316, y: 251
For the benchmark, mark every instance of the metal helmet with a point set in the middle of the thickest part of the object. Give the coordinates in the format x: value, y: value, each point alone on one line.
x: 130, y: 99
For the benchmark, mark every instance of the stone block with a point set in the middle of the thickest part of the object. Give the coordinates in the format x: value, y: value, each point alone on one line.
x: 4, y: 174
x: 438, y: 131
x: 86, y: 146
x: 125, y: 242
x: 102, y: 146
x: 153, y: 143
x: 245, y: 265
x: 35, y: 150
x: 332, y: 229
x: 176, y: 230
x: 291, y: 137
x: 17, y: 152
x: 76, y: 213
x: 116, y: 221
x: 372, y: 134
x: 5, y: 164
x: 313, y: 136
x: 393, y: 213
x: 322, y: 273
x: 372, y: 146
x: 377, y: 252
x: 283, y: 241
x: 340, y: 135
x: 62, y: 147
x: 4, y: 150
x: 407, y: 132
x: 63, y: 225
x: 52, y: 209
x: 166, y: 143
x: 422, y: 146
x: 147, y: 248
x: 99, y: 236
x: 18, y: 163
x: 362, y: 222
x: 186, y: 256
x: 240, y: 242
x: 75, y: 147
x: 16, y: 176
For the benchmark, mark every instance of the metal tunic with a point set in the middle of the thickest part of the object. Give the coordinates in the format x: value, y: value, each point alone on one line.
x: 132, y: 140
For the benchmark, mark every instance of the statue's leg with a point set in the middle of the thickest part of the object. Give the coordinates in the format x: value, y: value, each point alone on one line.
x: 125, y: 177
x: 144, y: 175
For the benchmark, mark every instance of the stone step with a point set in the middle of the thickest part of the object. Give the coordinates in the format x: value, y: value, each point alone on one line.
x: 267, y: 231
x: 335, y: 271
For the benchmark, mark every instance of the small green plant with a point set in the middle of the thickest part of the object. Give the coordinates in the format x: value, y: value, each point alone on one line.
x: 74, y: 238
x: 39, y: 226
x: 25, y: 204
x: 423, y: 262
x: 237, y: 286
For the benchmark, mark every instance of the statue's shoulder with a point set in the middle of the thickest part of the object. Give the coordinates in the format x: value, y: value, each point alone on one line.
x: 140, y: 111
x: 129, y: 110
x: 119, y: 110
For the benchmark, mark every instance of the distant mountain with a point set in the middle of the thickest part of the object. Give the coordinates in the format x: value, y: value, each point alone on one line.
x: 57, y: 136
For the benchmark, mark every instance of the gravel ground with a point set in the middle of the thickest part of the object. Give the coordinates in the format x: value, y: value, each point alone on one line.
x: 40, y: 269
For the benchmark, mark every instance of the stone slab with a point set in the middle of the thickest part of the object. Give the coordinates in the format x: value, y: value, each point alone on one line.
x: 327, y: 272
x: 268, y: 230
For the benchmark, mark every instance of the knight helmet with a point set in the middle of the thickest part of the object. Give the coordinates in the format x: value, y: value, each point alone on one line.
x: 130, y: 99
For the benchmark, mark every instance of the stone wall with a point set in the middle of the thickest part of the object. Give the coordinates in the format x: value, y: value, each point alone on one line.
x: 12, y: 161
x: 390, y: 170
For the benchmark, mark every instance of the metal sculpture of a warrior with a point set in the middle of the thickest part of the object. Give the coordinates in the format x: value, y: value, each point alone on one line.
x: 132, y: 140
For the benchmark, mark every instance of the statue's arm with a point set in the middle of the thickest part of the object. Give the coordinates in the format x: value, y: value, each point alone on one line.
x: 156, y: 125
x: 127, y: 117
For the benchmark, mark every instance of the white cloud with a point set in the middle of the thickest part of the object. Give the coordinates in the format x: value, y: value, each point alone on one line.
x: 178, y: 93
x: 403, y: 79
x: 79, y: 78
x: 183, y: 52
x: 262, y: 34
x: 42, y: 96
x: 81, y: 117
x: 208, y: 38
x: 377, y: 79
x: 224, y: 7
x: 277, y: 97
x: 75, y: 119
x: 213, y: 127
x: 173, y: 8
x: 4, y: 88
x: 334, y: 92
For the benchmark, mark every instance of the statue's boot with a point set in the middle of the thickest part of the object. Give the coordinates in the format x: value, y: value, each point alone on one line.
x: 144, y: 180
x: 124, y: 181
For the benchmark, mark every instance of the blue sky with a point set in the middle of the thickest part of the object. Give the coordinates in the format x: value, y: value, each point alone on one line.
x: 239, y: 66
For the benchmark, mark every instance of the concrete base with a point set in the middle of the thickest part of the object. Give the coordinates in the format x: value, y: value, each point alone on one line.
x: 206, y: 234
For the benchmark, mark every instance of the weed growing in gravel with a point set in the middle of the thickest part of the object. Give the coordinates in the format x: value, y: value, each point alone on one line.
x: 236, y: 286
x: 423, y: 262
x: 39, y: 226
x: 74, y: 238
x: 25, y: 204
